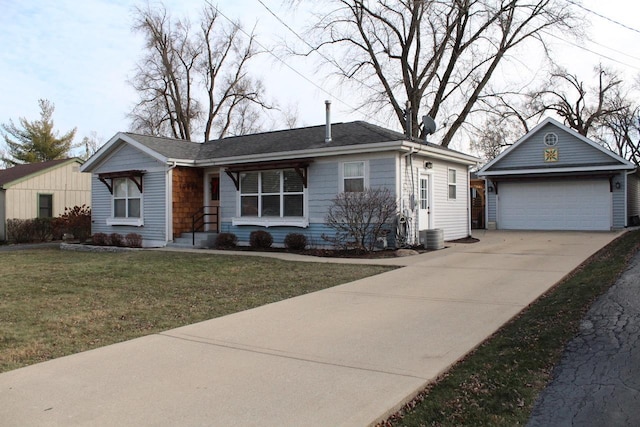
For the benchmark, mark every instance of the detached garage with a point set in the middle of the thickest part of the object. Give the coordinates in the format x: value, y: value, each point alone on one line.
x: 555, y: 179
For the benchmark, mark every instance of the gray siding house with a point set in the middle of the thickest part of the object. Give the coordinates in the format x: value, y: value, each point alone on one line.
x: 556, y: 179
x: 281, y: 181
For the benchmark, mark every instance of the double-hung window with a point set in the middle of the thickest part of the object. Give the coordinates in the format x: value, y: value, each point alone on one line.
x: 126, y: 198
x: 452, y: 184
x: 272, y: 194
x: 353, y: 175
x: 45, y: 205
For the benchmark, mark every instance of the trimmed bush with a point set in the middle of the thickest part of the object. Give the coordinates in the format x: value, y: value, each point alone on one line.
x: 295, y: 241
x: 41, y: 229
x: 226, y: 241
x: 133, y: 240
x: 116, y: 239
x: 19, y: 230
x: 100, y: 239
x: 260, y: 239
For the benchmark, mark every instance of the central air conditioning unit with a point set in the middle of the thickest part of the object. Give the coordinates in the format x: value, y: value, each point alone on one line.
x: 432, y: 239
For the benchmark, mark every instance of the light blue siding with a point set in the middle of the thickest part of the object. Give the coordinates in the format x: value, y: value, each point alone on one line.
x: 619, y: 197
x: 154, y: 192
x: 323, y: 185
x: 382, y: 173
x: 313, y: 233
x: 128, y: 158
x: 572, y: 152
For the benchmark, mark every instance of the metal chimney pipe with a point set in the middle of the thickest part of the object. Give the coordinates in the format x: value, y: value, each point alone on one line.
x: 327, y: 137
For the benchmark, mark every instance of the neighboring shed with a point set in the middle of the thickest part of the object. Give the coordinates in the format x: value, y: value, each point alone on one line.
x: 556, y: 179
x: 37, y: 190
x: 282, y: 181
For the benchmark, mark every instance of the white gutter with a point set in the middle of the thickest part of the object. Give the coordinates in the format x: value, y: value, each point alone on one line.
x: 399, y: 145
x: 554, y: 170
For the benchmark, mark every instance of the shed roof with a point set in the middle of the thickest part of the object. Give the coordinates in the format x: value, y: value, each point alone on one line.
x: 20, y: 172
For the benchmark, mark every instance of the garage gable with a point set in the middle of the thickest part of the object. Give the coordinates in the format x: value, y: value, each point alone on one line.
x: 556, y: 179
x: 553, y: 147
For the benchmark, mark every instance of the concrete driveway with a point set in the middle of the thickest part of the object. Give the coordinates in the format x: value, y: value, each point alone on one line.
x: 345, y: 356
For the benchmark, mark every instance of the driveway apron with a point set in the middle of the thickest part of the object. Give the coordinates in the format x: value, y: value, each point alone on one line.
x: 345, y: 356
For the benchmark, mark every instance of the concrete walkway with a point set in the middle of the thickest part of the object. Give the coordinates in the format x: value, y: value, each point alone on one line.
x: 345, y: 356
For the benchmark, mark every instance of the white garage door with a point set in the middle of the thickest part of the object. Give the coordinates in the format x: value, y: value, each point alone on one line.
x: 554, y: 205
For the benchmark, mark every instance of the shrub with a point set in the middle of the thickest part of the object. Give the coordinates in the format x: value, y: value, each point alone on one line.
x: 77, y: 221
x: 41, y: 229
x: 295, y: 241
x: 226, y: 240
x: 116, y: 239
x: 260, y: 239
x: 19, y: 230
x: 100, y: 239
x: 359, y: 218
x: 133, y: 240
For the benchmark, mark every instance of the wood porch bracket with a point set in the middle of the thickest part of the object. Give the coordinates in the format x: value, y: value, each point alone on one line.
x: 299, y: 166
x: 133, y: 175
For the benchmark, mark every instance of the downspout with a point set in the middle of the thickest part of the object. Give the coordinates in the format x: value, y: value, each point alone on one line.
x: 412, y: 200
x: 169, y: 203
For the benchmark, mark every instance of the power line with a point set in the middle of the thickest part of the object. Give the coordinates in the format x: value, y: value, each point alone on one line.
x: 603, y: 16
x: 590, y: 50
x: 292, y: 68
x: 313, y: 48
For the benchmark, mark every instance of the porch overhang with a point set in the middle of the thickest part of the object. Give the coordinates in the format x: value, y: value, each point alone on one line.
x: 300, y: 166
x: 134, y: 175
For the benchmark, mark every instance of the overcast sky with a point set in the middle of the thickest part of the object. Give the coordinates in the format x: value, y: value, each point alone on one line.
x: 80, y: 53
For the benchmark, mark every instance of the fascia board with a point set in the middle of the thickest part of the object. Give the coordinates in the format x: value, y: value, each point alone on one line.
x: 289, y: 155
x: 555, y: 170
x: 398, y: 145
x: 40, y: 172
x: 441, y: 154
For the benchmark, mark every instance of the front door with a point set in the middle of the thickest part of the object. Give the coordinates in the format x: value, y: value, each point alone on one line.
x: 212, y: 202
x: 424, y: 204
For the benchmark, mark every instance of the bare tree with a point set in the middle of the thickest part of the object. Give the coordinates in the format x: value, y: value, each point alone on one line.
x: 180, y: 64
x: 583, y: 108
x: 620, y: 132
x: 437, y: 56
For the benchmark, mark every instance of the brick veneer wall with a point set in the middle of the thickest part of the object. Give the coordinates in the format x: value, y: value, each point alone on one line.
x: 188, y: 194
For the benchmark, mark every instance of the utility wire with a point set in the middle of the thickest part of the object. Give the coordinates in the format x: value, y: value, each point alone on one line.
x: 590, y: 50
x: 293, y: 69
x: 603, y: 16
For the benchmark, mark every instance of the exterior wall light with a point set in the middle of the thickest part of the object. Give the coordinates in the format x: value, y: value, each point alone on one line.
x: 428, y: 165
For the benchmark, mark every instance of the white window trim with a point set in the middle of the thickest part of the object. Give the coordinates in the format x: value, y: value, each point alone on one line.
x: 130, y: 221
x: 271, y: 221
x: 341, y: 173
x: 550, y: 134
x: 450, y: 184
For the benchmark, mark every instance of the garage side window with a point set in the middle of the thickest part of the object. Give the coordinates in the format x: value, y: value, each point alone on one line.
x: 452, y: 184
x: 126, y: 198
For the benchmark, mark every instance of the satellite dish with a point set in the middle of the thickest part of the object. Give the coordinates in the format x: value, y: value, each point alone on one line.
x: 429, y: 125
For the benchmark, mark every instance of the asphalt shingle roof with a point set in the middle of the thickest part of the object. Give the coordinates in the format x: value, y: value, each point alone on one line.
x: 289, y: 140
x: 21, y: 171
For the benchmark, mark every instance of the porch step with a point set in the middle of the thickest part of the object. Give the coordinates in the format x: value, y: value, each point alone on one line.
x: 202, y: 240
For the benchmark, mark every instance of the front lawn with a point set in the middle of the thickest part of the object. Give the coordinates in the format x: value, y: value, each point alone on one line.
x: 54, y: 303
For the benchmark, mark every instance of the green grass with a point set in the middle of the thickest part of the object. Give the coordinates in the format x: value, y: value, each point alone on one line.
x: 498, y: 383
x: 54, y: 303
